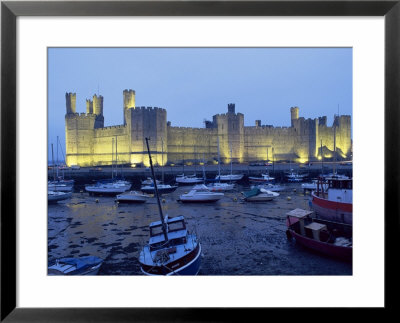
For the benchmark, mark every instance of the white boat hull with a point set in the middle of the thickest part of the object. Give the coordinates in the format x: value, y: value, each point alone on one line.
x: 132, y: 197
x: 228, y: 178
x: 54, y: 197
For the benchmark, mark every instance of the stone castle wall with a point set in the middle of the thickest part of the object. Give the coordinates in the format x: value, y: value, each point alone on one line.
x: 89, y: 143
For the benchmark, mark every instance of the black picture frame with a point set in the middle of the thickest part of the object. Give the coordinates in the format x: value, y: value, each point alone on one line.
x: 10, y: 10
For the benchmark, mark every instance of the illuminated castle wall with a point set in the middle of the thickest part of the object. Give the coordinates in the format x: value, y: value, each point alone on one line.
x: 89, y: 143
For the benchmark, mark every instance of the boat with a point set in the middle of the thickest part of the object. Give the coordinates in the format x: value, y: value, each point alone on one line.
x: 109, y: 188
x: 83, y: 266
x: 259, y: 195
x: 162, y: 188
x: 294, y: 177
x: 334, y: 203
x: 229, y: 177
x: 200, y: 194
x: 312, y: 186
x: 318, y: 236
x: 188, y: 179
x: 149, y: 181
x: 172, y: 249
x: 220, y: 187
x: 54, y: 186
x: 132, y: 197
x: 55, y: 196
x: 265, y: 178
x: 53, y: 193
x: 113, y: 186
x: 270, y: 187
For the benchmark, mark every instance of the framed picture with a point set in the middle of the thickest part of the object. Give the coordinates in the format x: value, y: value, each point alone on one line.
x: 211, y: 32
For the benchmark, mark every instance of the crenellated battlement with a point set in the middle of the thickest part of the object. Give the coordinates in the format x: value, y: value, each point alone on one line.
x: 89, y: 143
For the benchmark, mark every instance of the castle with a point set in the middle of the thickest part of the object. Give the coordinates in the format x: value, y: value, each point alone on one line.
x: 89, y: 143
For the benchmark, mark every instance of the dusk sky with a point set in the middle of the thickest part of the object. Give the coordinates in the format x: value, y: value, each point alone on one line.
x: 194, y: 84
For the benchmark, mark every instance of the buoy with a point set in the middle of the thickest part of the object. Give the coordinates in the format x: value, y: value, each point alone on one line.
x: 163, y: 200
x: 97, y: 201
x: 235, y: 199
x: 294, y: 190
x: 289, y: 198
x: 81, y: 191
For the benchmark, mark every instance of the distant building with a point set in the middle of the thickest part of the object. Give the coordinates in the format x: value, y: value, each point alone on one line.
x: 89, y: 143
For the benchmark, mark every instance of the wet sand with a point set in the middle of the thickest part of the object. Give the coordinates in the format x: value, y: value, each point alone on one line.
x: 237, y: 238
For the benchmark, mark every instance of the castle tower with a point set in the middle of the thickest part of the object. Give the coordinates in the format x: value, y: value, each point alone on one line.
x: 70, y: 99
x: 89, y: 107
x: 294, y: 114
x: 231, y: 134
x: 129, y: 101
x: 97, y: 104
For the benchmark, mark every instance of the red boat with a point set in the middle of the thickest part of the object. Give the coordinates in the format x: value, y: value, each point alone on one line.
x: 319, y: 236
x: 336, y: 202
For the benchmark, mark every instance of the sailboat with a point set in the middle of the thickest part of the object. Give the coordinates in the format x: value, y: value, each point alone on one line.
x: 218, y: 186
x: 171, y: 249
x: 162, y: 188
x: 58, y: 183
x: 187, y: 179
x: 110, y: 187
x: 294, y: 177
x: 54, y: 195
x: 265, y: 178
x: 230, y: 177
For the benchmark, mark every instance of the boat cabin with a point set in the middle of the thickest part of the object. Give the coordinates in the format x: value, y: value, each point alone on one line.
x: 301, y: 222
x: 340, y: 183
x: 176, y: 232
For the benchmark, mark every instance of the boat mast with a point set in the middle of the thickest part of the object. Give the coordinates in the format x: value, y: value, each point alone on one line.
x: 204, y: 169
x: 273, y: 160
x: 52, y: 157
x: 334, y: 150
x: 164, y: 228
x: 112, y: 159
x: 57, y: 159
x: 219, y: 163
x: 116, y: 157
x: 322, y: 160
x: 231, y: 160
x: 162, y: 159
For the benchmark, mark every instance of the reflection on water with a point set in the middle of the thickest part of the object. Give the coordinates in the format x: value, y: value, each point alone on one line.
x: 238, y: 238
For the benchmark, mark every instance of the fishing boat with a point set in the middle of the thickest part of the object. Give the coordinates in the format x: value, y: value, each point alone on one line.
x: 265, y: 178
x: 162, y: 188
x: 172, y: 249
x: 55, y: 196
x: 200, y: 194
x: 132, y: 197
x: 259, y: 195
x: 318, y: 236
x: 270, y: 187
x: 334, y: 203
x: 312, y: 186
x: 83, y: 266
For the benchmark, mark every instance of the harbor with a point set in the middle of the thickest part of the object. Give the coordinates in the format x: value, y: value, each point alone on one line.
x: 237, y: 237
